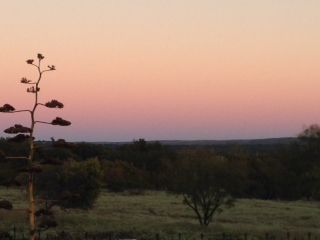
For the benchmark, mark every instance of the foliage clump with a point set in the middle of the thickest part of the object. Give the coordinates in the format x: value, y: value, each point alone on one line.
x: 76, y: 185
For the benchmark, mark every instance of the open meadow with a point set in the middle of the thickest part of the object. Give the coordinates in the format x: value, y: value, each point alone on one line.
x: 157, y: 212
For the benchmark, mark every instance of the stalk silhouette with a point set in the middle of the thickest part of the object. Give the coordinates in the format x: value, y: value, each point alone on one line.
x: 27, y: 134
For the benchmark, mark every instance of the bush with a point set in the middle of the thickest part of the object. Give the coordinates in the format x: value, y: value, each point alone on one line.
x: 75, y: 185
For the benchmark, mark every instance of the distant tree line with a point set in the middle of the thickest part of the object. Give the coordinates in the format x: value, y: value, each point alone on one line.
x: 203, y: 175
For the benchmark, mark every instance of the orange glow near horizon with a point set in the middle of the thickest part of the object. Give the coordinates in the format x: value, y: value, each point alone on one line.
x: 158, y: 70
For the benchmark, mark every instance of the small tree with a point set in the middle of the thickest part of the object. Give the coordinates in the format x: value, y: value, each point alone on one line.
x: 204, y: 180
x: 309, y: 174
x: 27, y: 134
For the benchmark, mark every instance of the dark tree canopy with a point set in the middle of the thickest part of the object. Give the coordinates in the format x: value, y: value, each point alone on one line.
x: 204, y: 180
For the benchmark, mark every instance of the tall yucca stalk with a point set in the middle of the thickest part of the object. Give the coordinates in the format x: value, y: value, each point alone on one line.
x: 27, y: 133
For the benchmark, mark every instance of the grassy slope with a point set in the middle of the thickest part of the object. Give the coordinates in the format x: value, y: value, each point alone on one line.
x: 157, y: 212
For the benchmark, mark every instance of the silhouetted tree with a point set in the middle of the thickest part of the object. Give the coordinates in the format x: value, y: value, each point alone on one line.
x: 204, y: 180
x: 310, y: 147
x: 23, y: 134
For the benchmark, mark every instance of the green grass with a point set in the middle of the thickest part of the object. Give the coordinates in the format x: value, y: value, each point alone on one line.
x: 157, y: 212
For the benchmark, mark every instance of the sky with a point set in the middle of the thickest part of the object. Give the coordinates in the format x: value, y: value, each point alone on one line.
x: 164, y: 70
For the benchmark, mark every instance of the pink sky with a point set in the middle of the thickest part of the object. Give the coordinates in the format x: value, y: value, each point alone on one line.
x: 180, y: 69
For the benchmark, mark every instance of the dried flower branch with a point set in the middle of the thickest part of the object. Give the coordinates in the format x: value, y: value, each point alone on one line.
x: 25, y: 80
x: 33, y: 89
x: 54, y: 104
x: 17, y: 128
x: 40, y: 56
x: 52, y: 67
x: 61, y: 122
x: 7, y: 108
x: 20, y: 138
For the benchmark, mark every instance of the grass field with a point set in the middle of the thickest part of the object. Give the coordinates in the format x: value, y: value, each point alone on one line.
x: 157, y: 212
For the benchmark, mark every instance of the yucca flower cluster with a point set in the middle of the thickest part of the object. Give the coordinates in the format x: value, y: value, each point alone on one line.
x: 7, y: 108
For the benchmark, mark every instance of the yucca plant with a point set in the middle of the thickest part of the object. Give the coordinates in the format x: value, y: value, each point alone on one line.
x: 22, y: 133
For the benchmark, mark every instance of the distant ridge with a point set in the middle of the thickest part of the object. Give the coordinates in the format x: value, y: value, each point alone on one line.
x: 264, y: 141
